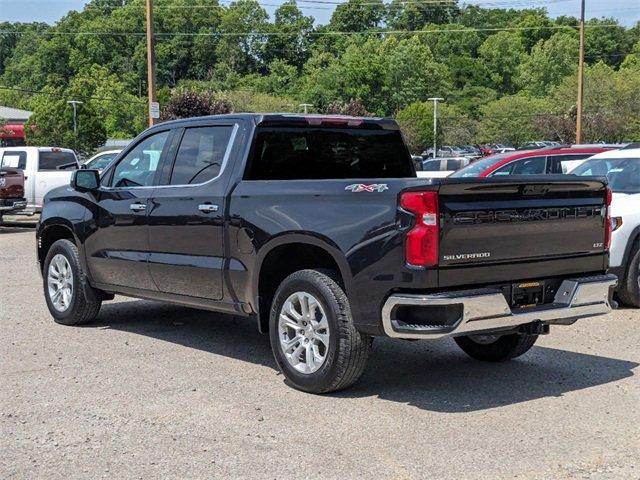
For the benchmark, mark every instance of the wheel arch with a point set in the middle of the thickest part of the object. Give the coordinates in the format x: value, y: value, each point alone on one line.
x: 300, y: 251
x: 51, y: 231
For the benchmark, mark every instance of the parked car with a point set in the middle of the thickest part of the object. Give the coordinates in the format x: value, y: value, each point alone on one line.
x: 45, y: 168
x: 531, y: 162
x: 11, y: 191
x: 622, y: 168
x: 442, y: 167
x: 101, y: 160
x: 317, y: 228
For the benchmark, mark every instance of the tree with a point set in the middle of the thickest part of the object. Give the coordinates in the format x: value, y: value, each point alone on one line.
x: 502, y: 54
x: 549, y: 63
x: 412, y: 74
x: 290, y: 42
x: 510, y: 119
x: 193, y: 104
x: 357, y: 16
x: 605, y: 43
x: 403, y: 15
x: 353, y: 108
x: 241, y: 46
x: 535, y: 25
x: 53, y: 121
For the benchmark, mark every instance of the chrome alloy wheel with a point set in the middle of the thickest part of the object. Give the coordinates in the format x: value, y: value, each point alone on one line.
x: 303, y: 330
x: 60, y: 282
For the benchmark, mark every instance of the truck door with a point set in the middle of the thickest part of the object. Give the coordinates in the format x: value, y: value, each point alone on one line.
x: 117, y: 250
x: 186, y: 215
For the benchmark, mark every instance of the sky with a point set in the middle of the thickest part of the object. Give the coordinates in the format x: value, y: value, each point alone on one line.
x: 626, y: 11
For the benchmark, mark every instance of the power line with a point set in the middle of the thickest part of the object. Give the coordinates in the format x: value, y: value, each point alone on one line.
x: 59, y: 95
x: 313, y: 33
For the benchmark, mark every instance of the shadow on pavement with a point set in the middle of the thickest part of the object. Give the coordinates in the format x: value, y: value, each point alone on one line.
x: 434, y: 376
x: 9, y: 226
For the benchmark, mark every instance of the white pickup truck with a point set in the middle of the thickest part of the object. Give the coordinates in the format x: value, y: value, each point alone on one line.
x: 45, y: 168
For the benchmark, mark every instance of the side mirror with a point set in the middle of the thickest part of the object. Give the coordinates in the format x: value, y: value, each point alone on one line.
x: 85, y: 180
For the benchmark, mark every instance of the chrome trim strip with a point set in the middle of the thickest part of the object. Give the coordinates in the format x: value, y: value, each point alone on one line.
x: 486, y: 310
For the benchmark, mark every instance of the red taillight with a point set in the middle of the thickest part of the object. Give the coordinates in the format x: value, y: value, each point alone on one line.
x: 607, y: 221
x: 422, y: 241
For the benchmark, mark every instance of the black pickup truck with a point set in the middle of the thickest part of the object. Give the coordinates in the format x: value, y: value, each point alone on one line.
x: 318, y: 229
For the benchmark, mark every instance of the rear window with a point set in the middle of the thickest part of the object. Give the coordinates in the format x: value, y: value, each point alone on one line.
x: 476, y: 168
x: 14, y: 159
x: 431, y: 166
x: 51, y: 160
x: 290, y: 153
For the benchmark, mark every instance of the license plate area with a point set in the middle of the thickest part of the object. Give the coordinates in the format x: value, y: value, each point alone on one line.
x: 527, y: 294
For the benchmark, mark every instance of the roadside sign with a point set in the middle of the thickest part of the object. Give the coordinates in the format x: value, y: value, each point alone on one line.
x: 154, y: 110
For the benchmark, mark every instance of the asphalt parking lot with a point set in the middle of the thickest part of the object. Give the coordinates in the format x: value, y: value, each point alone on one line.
x: 160, y: 391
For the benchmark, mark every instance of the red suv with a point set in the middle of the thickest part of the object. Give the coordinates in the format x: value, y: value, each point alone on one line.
x: 556, y: 160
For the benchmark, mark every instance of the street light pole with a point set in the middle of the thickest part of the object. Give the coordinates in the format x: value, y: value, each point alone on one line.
x: 435, y: 101
x: 306, y: 106
x: 74, y: 104
x: 579, y: 105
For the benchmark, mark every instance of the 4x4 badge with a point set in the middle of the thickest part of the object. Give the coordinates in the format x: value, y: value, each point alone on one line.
x: 361, y: 187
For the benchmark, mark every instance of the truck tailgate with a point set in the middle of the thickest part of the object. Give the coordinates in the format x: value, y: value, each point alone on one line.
x: 11, y: 183
x: 521, y: 219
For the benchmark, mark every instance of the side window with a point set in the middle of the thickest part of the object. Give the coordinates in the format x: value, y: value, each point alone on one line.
x: 566, y: 163
x: 138, y: 167
x: 431, y: 166
x: 525, y: 166
x: 200, y: 155
x: 14, y: 159
x: 453, y: 165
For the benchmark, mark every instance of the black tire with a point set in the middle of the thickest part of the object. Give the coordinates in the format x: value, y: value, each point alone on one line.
x: 85, y: 301
x: 348, y: 350
x: 504, y: 348
x: 629, y: 288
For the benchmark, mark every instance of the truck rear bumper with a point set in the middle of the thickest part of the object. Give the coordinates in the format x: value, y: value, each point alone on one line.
x: 10, y: 204
x: 415, y: 316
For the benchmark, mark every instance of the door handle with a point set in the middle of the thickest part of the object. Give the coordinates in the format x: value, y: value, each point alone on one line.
x: 208, y: 208
x: 138, y: 207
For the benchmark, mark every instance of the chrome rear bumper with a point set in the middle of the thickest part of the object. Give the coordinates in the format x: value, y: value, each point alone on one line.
x: 485, y: 310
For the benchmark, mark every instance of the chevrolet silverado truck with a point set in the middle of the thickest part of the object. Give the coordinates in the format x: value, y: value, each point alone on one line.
x: 318, y: 229
x: 11, y: 191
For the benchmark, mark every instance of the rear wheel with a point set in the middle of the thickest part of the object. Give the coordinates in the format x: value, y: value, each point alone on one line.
x: 629, y: 291
x: 496, y: 348
x: 313, y: 338
x: 70, y: 298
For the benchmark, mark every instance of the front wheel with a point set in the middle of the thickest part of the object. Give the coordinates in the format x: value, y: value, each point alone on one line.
x: 313, y: 338
x: 496, y: 348
x: 70, y: 298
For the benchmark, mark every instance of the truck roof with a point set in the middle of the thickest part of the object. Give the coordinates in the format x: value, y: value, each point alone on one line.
x: 39, y: 149
x: 298, y: 119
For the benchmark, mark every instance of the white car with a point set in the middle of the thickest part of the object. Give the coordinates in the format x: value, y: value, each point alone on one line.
x: 622, y: 168
x: 45, y: 168
x: 441, y: 167
x: 101, y: 160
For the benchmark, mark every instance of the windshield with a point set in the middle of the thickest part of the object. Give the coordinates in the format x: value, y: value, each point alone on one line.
x: 623, y: 173
x: 101, y: 162
x: 476, y: 168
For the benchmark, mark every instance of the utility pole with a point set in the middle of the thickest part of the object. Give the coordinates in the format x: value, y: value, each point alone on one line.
x: 151, y: 66
x: 579, y: 106
x: 74, y: 104
x: 306, y: 106
x: 435, y: 101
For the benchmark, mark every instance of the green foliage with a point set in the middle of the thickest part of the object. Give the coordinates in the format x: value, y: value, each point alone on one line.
x: 53, y: 120
x: 502, y: 54
x: 549, y: 63
x: 261, y: 64
x: 510, y: 119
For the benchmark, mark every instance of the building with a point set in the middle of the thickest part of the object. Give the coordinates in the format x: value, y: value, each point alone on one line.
x: 12, y: 133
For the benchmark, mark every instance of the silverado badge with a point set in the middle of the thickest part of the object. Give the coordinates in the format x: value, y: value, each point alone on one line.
x: 361, y: 187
